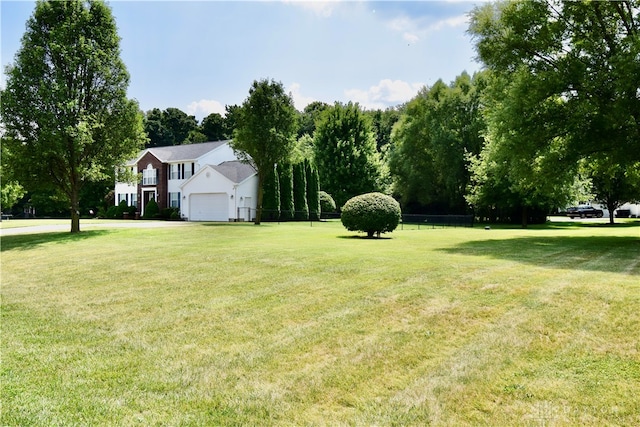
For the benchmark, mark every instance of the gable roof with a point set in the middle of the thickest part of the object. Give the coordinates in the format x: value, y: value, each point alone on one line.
x: 185, y: 152
x: 177, y: 153
x: 235, y: 170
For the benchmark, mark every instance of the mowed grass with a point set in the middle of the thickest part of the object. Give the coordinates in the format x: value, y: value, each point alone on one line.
x: 290, y: 324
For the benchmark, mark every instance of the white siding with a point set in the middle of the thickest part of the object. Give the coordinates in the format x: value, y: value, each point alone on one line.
x: 224, y: 153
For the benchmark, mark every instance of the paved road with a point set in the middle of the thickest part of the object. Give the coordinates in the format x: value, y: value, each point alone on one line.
x: 90, y: 226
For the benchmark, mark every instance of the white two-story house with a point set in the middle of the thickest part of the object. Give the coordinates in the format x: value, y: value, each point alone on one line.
x: 206, y: 182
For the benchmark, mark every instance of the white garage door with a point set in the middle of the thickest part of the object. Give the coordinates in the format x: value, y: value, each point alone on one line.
x: 209, y: 207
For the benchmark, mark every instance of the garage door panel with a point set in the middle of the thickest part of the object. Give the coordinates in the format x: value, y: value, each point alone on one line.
x: 209, y: 207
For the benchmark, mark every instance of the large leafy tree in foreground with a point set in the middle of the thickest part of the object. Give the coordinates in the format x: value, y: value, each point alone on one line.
x: 567, y: 77
x: 265, y: 130
x: 581, y: 55
x: 522, y: 172
x: 65, y: 109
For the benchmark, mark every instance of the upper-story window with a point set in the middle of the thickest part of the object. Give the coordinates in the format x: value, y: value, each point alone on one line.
x: 174, y: 171
x: 149, y: 176
x: 187, y: 170
x: 181, y: 170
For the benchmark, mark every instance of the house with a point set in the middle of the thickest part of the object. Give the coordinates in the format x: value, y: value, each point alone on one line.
x: 206, y: 182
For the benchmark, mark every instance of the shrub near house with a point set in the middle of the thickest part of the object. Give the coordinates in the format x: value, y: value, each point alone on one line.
x: 152, y: 210
x: 372, y: 213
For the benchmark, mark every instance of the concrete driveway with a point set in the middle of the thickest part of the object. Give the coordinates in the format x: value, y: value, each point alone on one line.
x: 56, y: 226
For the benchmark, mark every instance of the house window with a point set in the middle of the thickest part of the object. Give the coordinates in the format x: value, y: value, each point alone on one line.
x: 122, y: 197
x: 174, y: 171
x: 174, y: 200
x: 187, y: 170
x: 180, y: 170
x: 134, y: 199
x: 149, y: 176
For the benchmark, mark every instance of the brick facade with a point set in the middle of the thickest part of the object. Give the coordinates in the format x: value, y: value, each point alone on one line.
x: 161, y: 186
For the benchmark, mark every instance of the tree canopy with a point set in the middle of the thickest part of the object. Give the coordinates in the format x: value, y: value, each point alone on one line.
x: 265, y: 130
x: 65, y: 110
x: 345, y: 152
x: 437, y: 132
x: 566, y: 78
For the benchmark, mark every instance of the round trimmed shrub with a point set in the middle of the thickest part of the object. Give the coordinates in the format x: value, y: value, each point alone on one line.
x: 327, y: 204
x: 373, y: 213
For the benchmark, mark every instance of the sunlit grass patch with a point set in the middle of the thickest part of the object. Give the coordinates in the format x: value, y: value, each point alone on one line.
x: 293, y: 324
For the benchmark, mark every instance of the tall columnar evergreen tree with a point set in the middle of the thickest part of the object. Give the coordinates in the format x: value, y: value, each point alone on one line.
x: 65, y: 110
x: 313, y: 190
x: 271, y: 203
x: 287, y: 204
x: 265, y: 130
x: 345, y: 152
x: 300, y: 192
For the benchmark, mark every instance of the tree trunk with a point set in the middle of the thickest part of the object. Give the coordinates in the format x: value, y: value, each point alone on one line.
x: 75, y: 211
x: 260, y: 197
x: 612, y: 208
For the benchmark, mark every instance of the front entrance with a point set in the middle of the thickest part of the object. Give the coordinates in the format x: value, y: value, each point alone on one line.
x: 146, y: 196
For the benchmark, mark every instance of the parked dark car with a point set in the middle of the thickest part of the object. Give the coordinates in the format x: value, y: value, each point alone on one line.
x: 623, y: 213
x: 584, y: 211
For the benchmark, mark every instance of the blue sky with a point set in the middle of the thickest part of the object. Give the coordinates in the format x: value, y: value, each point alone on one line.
x: 201, y: 55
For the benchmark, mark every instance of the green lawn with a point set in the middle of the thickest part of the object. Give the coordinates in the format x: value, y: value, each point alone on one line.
x: 293, y: 324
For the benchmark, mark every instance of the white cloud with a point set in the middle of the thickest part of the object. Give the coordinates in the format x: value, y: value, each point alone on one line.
x: 386, y: 93
x: 416, y: 29
x: 204, y: 107
x: 453, y: 22
x: 299, y: 101
x: 410, y: 37
x: 323, y: 8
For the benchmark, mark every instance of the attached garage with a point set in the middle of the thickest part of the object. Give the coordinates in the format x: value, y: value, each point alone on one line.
x: 224, y: 192
x: 209, y: 207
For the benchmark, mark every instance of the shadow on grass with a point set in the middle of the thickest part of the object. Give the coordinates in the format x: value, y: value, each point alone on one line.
x: 594, y: 253
x: 363, y: 237
x: 29, y: 241
x: 231, y: 224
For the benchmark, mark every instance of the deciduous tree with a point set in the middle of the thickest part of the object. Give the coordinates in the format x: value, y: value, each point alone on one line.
x: 578, y: 61
x: 213, y: 127
x: 612, y: 184
x: 438, y: 130
x: 65, y: 109
x: 265, y: 130
x: 345, y: 152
